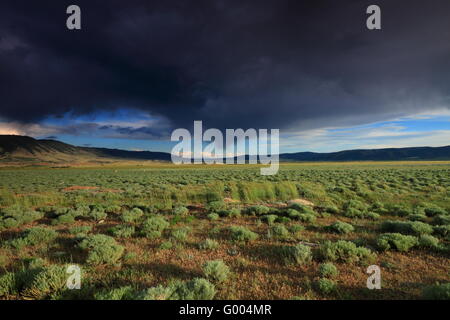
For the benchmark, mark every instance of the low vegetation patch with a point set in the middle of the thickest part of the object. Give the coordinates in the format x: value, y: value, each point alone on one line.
x: 396, y: 241
x: 340, y: 227
x: 239, y: 233
x: 344, y: 251
x: 216, y: 271
x: 101, y: 249
x: 298, y: 254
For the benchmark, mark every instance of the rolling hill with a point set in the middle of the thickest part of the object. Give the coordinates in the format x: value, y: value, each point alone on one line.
x: 26, y: 149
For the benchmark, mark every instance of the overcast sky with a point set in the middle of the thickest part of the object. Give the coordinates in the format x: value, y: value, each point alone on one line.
x: 139, y: 69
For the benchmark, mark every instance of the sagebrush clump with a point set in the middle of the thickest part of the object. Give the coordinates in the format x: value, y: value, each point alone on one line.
x: 344, y: 251
x: 406, y: 227
x: 35, y: 236
x: 396, y: 241
x: 278, y: 231
x: 122, y: 231
x: 154, y: 226
x: 340, y: 227
x: 239, y: 233
x: 101, y: 249
x: 49, y: 280
x: 328, y: 270
x: 326, y: 286
x: 132, y: 215
x: 216, y: 271
x: 298, y: 254
x: 208, y: 244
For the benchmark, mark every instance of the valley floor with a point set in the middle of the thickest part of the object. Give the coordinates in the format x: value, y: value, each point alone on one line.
x: 225, y: 232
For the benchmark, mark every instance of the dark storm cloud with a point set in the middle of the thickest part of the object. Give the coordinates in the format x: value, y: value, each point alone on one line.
x: 277, y: 64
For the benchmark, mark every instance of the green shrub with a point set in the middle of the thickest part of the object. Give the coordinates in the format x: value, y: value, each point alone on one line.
x: 239, y: 233
x: 296, y: 228
x: 344, y: 251
x: 180, y: 234
x: 122, y: 231
x: 293, y: 214
x: 257, y: 210
x: 354, y: 213
x: 215, y: 206
x: 301, y: 212
x: 158, y: 293
x: 15, y: 216
x: 307, y: 217
x: 132, y: 215
x: 331, y: 209
x: 283, y: 219
x: 328, y: 270
x: 417, y: 217
x: 437, y: 292
x: 428, y: 241
x: 433, y: 210
x: 35, y: 263
x: 372, y: 215
x: 34, y: 236
x: 122, y: 293
x: 270, y: 219
x: 278, y: 231
x: 180, y: 211
x: 166, y: 245
x: 396, y: 241
x: 442, y: 231
x: 64, y: 219
x: 97, y: 214
x: 83, y: 210
x: 298, y: 254
x: 8, y: 284
x: 49, y: 280
x: 154, y: 226
x: 208, y: 244
x: 234, y: 212
x: 406, y: 227
x: 39, y: 235
x: 340, y: 227
x: 101, y: 249
x: 216, y: 271
x: 354, y: 209
x: 399, y: 210
x: 80, y: 230
x: 300, y: 208
x: 326, y: 286
x: 113, y: 209
x: 196, y: 289
x: 213, y: 216
x: 441, y: 220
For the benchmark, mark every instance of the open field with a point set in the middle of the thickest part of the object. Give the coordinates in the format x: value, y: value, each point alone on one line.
x: 150, y: 231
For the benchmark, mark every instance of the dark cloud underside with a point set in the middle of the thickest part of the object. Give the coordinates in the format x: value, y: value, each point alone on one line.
x: 277, y: 64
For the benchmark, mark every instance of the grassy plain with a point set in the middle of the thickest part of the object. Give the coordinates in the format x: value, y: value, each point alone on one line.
x: 142, y: 230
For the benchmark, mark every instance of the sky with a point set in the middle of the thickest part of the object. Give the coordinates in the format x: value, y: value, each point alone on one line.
x: 137, y: 70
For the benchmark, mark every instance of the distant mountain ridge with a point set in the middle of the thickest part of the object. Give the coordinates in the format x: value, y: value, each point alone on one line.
x: 23, y: 147
x: 387, y: 154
